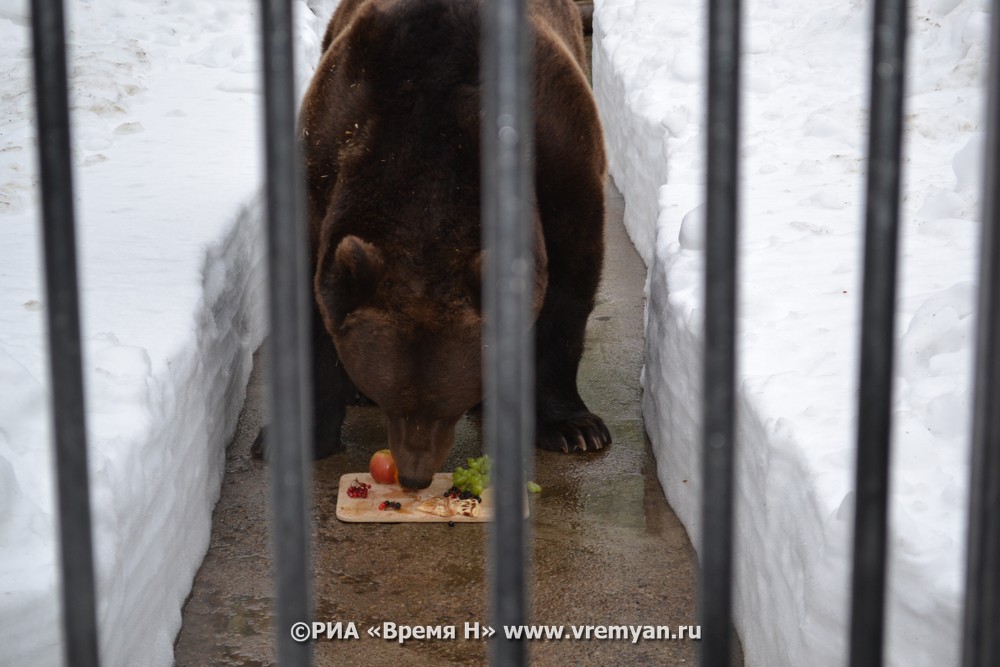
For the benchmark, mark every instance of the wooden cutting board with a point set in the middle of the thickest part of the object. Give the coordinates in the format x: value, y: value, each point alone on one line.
x: 366, y: 509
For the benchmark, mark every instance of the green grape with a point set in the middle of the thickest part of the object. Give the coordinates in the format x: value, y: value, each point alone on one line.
x: 475, y: 478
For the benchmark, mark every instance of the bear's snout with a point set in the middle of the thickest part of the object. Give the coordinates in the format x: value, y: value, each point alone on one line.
x: 414, y: 484
x: 420, y: 447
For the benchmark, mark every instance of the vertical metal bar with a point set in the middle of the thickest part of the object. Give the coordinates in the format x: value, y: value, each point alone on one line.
x: 720, y: 329
x: 65, y: 360
x: 507, y: 209
x: 288, y: 353
x: 981, y: 645
x: 877, y: 331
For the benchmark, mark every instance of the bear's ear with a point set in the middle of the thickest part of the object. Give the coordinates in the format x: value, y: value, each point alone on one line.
x: 354, y: 277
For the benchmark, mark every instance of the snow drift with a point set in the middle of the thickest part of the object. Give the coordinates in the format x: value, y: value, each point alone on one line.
x: 166, y: 160
x: 805, y: 95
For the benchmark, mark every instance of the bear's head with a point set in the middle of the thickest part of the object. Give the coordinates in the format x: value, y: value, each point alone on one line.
x: 410, y: 342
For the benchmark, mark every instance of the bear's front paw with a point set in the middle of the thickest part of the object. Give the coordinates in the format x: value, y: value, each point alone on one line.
x: 580, y: 432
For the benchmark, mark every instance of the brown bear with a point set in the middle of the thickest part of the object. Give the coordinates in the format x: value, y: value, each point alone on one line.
x: 389, y: 132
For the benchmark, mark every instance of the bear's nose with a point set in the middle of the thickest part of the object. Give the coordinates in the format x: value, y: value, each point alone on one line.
x: 414, y: 483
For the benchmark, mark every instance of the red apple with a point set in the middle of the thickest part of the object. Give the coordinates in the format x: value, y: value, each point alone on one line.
x: 383, y: 467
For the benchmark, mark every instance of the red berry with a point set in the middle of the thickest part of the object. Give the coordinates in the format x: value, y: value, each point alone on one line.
x: 358, y: 489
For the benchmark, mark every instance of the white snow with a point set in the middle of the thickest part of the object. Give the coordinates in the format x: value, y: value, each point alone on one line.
x: 804, y: 123
x: 167, y: 165
x: 167, y: 159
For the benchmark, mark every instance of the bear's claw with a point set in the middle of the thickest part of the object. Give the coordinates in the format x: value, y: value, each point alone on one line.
x: 581, y: 432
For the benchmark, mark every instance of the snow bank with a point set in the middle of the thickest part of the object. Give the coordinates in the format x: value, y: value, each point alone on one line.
x: 165, y: 102
x: 803, y: 146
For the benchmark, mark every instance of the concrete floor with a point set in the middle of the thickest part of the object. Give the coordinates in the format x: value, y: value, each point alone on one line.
x: 607, y: 549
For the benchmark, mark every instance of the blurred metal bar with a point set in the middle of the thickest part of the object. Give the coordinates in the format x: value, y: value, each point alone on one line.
x: 65, y: 361
x: 720, y: 330
x: 877, y: 331
x: 981, y: 645
x: 289, y: 345
x: 508, y: 373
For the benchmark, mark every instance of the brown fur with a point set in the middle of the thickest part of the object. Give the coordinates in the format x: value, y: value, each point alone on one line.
x: 390, y: 137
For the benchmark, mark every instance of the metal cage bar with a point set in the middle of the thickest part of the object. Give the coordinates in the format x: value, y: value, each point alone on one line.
x: 981, y: 643
x: 720, y: 330
x: 65, y: 358
x: 289, y: 345
x: 508, y: 365
x: 877, y: 332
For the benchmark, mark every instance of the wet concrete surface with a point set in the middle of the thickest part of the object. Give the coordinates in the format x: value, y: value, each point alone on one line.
x: 607, y: 549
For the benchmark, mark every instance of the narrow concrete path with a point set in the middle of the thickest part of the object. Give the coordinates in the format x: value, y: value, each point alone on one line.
x: 607, y: 549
